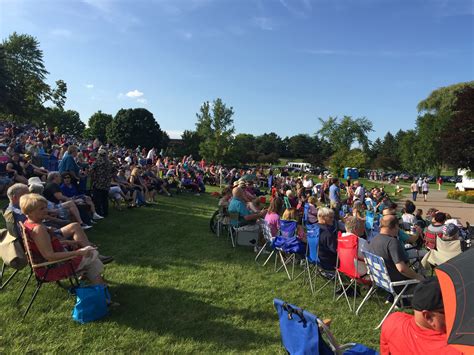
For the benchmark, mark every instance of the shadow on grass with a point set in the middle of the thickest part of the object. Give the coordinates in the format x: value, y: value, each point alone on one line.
x: 183, y: 316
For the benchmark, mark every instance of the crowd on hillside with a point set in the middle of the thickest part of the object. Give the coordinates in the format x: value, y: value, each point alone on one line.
x: 58, y: 186
x: 410, y: 242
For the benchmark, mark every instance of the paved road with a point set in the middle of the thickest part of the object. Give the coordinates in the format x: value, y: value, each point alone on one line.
x: 437, y: 199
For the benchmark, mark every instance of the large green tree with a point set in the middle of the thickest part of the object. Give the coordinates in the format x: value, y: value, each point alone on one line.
x: 244, y: 149
x: 63, y: 121
x: 98, y: 123
x: 133, y: 127
x: 25, y: 91
x: 215, y: 127
x: 443, y: 110
x: 345, y: 132
x: 190, y: 141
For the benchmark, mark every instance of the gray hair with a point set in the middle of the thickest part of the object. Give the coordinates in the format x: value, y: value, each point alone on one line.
x: 350, y: 223
x: 325, y: 212
x: 16, y: 189
x: 52, y: 175
x: 36, y: 189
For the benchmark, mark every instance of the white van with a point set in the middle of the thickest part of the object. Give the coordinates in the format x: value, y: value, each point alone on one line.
x: 306, y: 167
x: 467, y: 182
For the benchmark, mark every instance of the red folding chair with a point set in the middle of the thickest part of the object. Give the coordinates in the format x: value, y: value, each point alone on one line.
x: 350, y: 266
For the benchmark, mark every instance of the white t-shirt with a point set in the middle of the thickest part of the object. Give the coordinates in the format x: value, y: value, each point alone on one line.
x: 308, y: 184
x: 425, y: 186
x: 408, y: 218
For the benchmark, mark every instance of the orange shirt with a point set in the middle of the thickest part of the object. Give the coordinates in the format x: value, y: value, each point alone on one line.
x: 401, y: 335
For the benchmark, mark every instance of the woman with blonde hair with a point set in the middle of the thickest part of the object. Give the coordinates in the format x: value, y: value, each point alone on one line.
x: 135, y: 181
x: 46, y: 247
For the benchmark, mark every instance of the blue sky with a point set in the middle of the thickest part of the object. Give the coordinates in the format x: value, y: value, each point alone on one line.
x: 280, y: 63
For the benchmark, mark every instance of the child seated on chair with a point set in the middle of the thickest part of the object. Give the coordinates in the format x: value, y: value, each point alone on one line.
x: 291, y: 214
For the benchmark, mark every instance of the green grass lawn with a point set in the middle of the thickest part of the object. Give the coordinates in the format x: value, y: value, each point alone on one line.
x: 181, y: 289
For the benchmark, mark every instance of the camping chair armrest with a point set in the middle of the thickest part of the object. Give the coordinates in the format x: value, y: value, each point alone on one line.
x: 406, y: 282
x: 48, y: 263
x: 344, y: 347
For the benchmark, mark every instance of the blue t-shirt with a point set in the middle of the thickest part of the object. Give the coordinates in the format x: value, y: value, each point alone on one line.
x: 334, y: 193
x: 238, y: 206
x: 70, y: 191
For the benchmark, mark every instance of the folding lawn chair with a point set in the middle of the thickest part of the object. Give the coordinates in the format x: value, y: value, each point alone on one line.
x: 349, y: 265
x: 304, y: 333
x: 267, y: 235
x: 2, y: 274
x: 41, y: 271
x: 312, y: 259
x: 380, y: 279
x: 445, y: 250
x: 283, y: 246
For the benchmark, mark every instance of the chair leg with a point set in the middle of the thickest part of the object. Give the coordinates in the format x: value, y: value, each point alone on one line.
x: 269, y: 257
x: 284, y: 265
x: 261, y: 251
x: 399, y: 296
x: 3, y: 285
x: 310, y: 277
x: 24, y: 287
x: 38, y: 287
x: 367, y: 296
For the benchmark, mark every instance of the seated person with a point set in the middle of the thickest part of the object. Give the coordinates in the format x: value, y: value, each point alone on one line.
x: 327, y: 250
x: 15, y: 170
x: 423, y: 333
x: 350, y: 223
x: 313, y: 211
x: 238, y: 208
x: 273, y: 215
x: 45, y: 246
x: 33, y: 170
x: 188, y: 183
x: 52, y: 191
x: 387, y: 246
x: 451, y: 232
x: 69, y: 192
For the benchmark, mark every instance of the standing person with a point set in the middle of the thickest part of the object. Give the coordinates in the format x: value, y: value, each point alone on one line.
x: 425, y: 187
x: 419, y: 183
x: 68, y: 164
x: 414, y: 190
x: 440, y: 182
x: 335, y: 196
x: 102, y: 172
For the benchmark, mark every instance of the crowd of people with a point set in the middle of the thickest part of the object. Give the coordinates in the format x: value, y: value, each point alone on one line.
x: 59, y: 186
x: 400, y: 234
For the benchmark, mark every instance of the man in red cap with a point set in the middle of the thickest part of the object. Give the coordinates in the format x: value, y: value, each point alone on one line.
x: 423, y: 333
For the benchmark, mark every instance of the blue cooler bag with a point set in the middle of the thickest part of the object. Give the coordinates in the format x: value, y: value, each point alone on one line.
x: 91, y: 303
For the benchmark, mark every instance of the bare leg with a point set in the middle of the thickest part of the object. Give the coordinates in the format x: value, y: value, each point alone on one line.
x: 74, y: 231
x: 72, y: 208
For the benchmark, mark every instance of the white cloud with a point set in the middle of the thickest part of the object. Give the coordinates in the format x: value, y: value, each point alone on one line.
x: 61, y: 32
x: 142, y: 100
x: 264, y: 23
x: 133, y: 94
x: 89, y: 86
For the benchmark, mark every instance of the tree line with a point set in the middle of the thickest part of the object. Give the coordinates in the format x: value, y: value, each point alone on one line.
x: 443, y: 136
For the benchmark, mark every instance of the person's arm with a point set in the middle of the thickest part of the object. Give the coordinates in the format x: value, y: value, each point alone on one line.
x: 59, y: 196
x: 255, y: 216
x: 405, y: 270
x: 43, y: 243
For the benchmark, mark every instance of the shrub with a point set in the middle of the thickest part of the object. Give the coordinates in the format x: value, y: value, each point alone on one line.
x: 464, y: 196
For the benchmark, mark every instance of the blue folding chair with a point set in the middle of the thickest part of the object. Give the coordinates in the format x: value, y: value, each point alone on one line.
x: 267, y: 235
x: 303, y: 333
x: 381, y: 279
x: 286, y: 247
x: 312, y: 259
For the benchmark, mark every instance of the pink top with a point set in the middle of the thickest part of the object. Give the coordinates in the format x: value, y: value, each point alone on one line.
x: 273, y: 220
